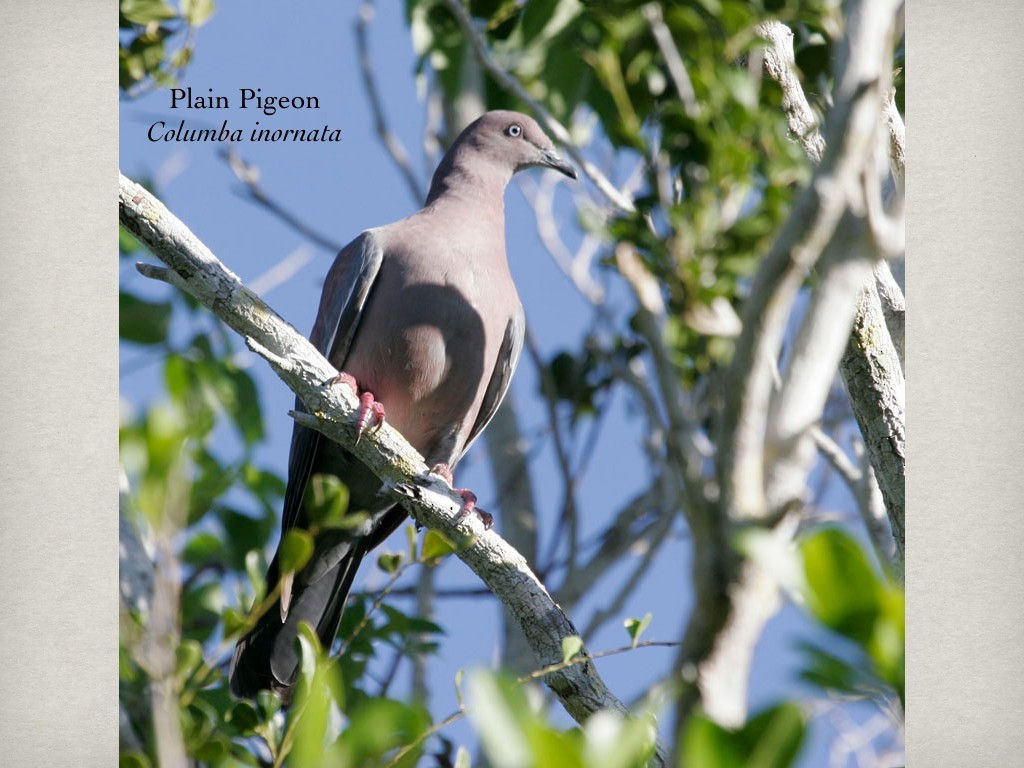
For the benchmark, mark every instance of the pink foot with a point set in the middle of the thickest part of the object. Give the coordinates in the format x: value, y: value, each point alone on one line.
x: 444, y: 472
x: 468, y: 497
x: 371, y: 415
x: 345, y: 378
x: 371, y: 412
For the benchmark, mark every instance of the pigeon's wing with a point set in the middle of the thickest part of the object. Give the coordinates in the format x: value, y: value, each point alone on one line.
x: 348, y: 284
x: 501, y: 377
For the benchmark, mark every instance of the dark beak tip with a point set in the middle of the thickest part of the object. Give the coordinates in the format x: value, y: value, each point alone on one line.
x: 552, y: 160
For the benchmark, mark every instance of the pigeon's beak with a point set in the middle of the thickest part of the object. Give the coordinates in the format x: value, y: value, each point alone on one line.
x: 551, y: 160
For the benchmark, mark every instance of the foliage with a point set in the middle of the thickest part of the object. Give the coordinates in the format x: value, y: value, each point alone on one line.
x: 156, y: 41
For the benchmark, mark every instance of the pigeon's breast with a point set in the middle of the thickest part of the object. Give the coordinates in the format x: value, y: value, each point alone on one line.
x: 425, y: 353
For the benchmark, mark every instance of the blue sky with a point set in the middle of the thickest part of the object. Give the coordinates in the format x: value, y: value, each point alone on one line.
x: 345, y: 187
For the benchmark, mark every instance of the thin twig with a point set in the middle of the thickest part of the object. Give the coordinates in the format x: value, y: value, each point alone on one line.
x: 249, y: 176
x: 673, y: 59
x: 395, y: 147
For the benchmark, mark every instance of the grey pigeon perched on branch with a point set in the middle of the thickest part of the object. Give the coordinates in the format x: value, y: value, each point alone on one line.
x: 421, y: 316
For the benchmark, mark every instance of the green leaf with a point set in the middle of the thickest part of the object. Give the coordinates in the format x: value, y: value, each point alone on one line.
x: 571, y: 646
x: 234, y: 622
x: 244, y: 405
x: 319, y: 689
x: 770, y: 740
x: 295, y: 550
x: 126, y: 242
x: 197, y: 12
x: 436, y: 546
x: 842, y: 588
x: 133, y: 760
x: 146, y: 11
x: 201, y: 548
x: 269, y: 704
x: 614, y: 741
x: 462, y: 758
x: 143, y: 322
x: 311, y: 650
x: 378, y: 726
x: 636, y: 627
x: 188, y: 656
x: 255, y: 569
x: 389, y: 562
x: 243, y: 717
x: 500, y: 712
x: 326, y: 501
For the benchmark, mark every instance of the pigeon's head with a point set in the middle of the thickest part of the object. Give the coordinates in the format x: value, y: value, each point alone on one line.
x: 515, y: 141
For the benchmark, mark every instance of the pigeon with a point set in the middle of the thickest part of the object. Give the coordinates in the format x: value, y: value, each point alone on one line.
x: 422, y: 319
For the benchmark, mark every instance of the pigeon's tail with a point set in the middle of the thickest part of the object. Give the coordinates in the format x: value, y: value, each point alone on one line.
x: 268, y: 657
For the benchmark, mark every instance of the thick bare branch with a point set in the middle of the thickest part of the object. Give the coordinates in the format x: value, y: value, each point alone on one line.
x: 817, y: 351
x: 897, y: 138
x: 506, y: 451
x: 894, y: 307
x: 332, y: 410
x: 732, y: 596
x: 874, y: 379
x: 881, y: 410
x: 780, y: 61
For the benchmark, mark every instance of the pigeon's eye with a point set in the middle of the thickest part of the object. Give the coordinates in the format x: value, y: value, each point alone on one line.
x: 515, y: 130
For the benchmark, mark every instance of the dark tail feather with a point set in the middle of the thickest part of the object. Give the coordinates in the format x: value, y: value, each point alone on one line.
x: 268, y: 657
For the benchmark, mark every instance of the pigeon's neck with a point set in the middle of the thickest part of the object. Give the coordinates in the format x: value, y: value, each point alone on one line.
x: 465, y: 177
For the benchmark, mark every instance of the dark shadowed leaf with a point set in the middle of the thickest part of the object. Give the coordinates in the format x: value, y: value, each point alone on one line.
x: 141, y: 321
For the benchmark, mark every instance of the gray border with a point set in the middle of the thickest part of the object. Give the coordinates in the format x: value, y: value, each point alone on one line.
x: 965, y: 365
x: 58, y: 379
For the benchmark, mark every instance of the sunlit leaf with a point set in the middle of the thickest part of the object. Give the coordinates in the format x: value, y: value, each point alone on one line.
x: 295, y: 550
x: 571, y: 646
x: 436, y: 546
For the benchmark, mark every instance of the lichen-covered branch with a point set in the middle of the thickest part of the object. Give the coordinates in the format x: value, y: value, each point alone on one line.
x: 332, y: 409
x: 878, y: 402
x: 877, y: 389
x: 780, y: 62
x: 732, y: 601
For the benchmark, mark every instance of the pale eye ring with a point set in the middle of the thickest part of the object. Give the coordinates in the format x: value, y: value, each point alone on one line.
x: 515, y: 130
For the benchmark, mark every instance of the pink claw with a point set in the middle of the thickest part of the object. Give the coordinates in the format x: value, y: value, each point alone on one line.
x: 469, y: 506
x: 468, y: 497
x: 371, y: 412
x: 371, y: 415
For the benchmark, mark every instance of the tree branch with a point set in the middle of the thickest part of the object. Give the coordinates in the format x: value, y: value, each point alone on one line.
x: 332, y: 410
x: 877, y: 388
x: 735, y: 598
x: 780, y: 61
x: 871, y: 365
